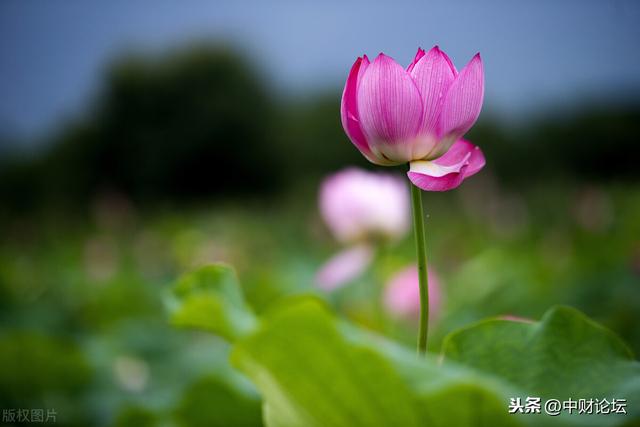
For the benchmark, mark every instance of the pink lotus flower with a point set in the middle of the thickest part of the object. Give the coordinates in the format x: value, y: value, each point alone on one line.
x: 344, y: 267
x: 402, y: 295
x: 418, y: 115
x: 357, y: 205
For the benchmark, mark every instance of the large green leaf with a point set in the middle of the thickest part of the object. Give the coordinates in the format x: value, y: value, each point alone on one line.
x: 210, y: 298
x: 309, y: 375
x: 563, y: 356
x: 450, y: 395
x: 313, y: 373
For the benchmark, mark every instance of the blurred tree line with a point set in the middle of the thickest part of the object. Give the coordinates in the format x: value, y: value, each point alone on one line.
x: 201, y: 123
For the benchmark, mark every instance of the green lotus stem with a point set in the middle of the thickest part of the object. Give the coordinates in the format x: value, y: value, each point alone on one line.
x: 421, y: 249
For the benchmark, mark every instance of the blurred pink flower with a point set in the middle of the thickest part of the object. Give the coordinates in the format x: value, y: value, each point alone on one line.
x: 344, y: 267
x: 512, y: 318
x: 418, y: 115
x: 402, y: 294
x: 357, y: 205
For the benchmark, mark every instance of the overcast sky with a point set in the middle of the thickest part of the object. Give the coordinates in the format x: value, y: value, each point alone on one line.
x: 537, y: 53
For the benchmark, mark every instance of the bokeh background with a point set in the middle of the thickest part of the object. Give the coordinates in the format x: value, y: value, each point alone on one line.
x: 139, y: 140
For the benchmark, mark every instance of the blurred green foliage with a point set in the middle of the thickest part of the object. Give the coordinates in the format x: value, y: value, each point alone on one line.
x: 190, y: 124
x: 231, y: 406
x: 36, y: 369
x: 134, y: 416
x: 594, y: 142
x: 198, y: 304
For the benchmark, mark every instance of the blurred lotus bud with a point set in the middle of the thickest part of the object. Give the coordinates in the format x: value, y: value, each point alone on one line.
x: 357, y: 205
x: 402, y: 294
x: 344, y: 267
x: 512, y: 318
